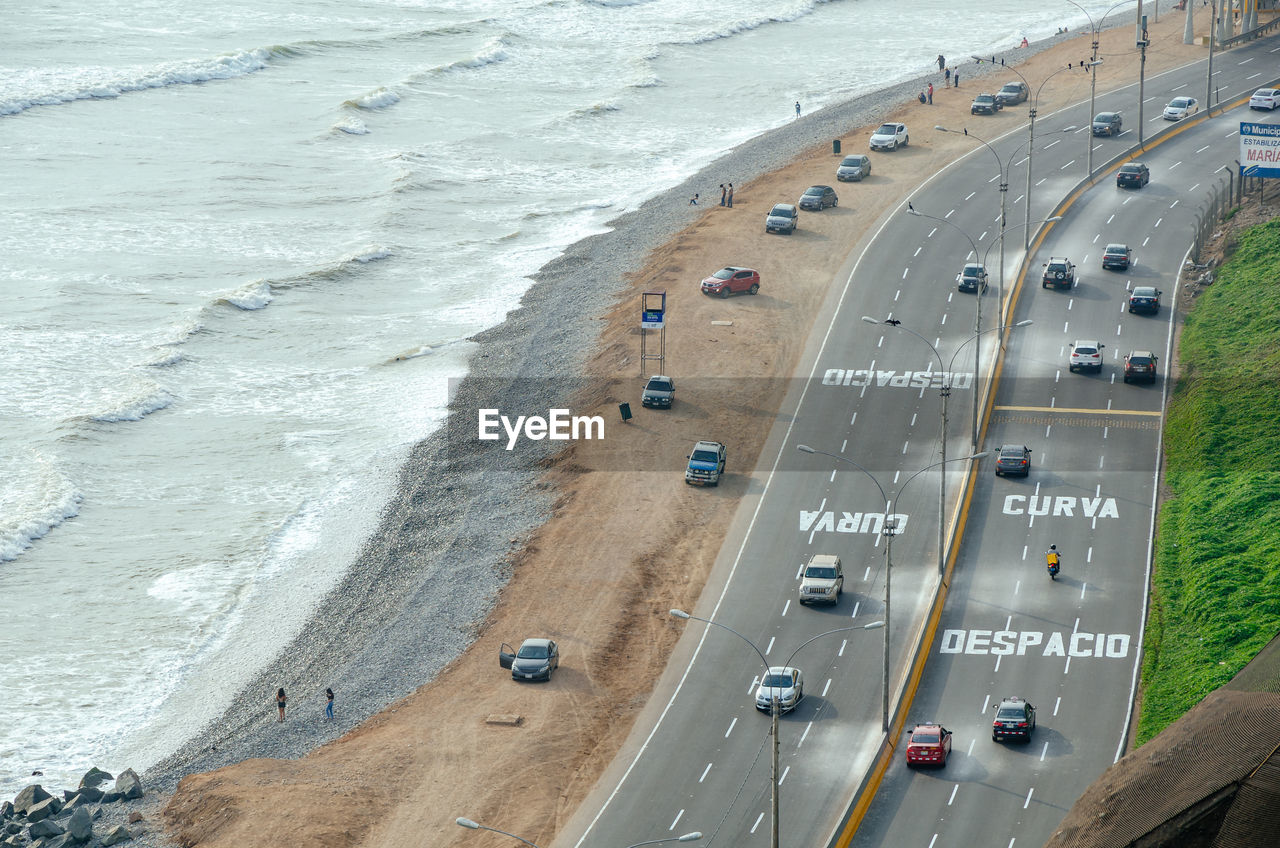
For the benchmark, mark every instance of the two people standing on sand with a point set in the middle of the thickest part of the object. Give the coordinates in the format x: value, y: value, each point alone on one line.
x: 282, y: 700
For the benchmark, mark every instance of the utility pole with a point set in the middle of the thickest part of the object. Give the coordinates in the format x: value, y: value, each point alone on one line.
x: 1142, y: 68
x: 1213, y: 36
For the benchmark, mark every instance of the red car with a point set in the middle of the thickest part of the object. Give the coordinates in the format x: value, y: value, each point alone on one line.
x: 928, y: 745
x: 732, y: 280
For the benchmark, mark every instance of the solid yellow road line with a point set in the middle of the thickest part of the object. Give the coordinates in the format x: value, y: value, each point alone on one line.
x: 1068, y: 410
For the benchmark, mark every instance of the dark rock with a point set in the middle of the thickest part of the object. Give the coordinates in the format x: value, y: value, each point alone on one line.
x: 110, y: 797
x: 80, y: 827
x: 43, y: 809
x: 77, y: 802
x: 6, y: 810
x: 13, y: 841
x: 45, y: 827
x: 94, y: 777
x: 129, y: 785
x: 119, y: 833
x: 90, y: 793
x: 63, y: 841
x: 29, y: 797
x: 96, y: 814
x: 12, y: 827
x: 135, y: 817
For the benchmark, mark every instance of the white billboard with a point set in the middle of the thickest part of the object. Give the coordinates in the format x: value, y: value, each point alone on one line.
x: 1259, y: 150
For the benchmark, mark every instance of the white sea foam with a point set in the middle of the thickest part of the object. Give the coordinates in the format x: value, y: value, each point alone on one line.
x: 35, y: 497
x: 493, y: 51
x: 379, y: 99
x: 351, y: 126
x: 255, y: 295
x: 143, y: 402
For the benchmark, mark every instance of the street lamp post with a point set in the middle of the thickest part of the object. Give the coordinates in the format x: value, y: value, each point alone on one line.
x: 1095, y: 29
x: 1031, y: 135
x: 890, y: 530
x: 473, y: 825
x: 774, y: 709
x: 945, y: 392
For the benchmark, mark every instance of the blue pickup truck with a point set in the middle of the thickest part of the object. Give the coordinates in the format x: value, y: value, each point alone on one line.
x: 706, y: 464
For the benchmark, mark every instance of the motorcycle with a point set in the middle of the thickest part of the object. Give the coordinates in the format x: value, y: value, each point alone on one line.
x: 1053, y: 563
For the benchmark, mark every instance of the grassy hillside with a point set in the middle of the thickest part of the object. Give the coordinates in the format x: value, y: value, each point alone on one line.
x: 1216, y: 593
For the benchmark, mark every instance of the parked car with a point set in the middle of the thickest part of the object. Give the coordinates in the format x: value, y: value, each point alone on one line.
x: 971, y: 278
x: 1181, y: 107
x: 1265, y: 98
x: 1086, y: 355
x: 1059, y: 272
x: 1117, y: 257
x: 985, y: 104
x: 782, y: 218
x: 537, y: 659
x: 890, y: 137
x: 1140, y: 365
x: 659, y: 392
x: 1144, y: 299
x: 1015, y: 719
x: 854, y: 167
x: 928, y: 744
x: 1014, y: 460
x: 1107, y: 123
x: 1012, y: 93
x: 706, y: 464
x: 818, y: 197
x: 783, y: 684
x: 823, y: 580
x: 1133, y: 174
x: 732, y: 280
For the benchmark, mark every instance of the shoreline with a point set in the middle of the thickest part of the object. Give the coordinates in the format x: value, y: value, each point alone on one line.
x: 421, y: 590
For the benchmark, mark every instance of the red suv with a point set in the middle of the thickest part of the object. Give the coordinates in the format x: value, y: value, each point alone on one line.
x: 732, y: 280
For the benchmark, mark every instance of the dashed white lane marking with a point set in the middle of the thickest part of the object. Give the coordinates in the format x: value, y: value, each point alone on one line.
x: 676, y: 820
x: 770, y: 648
x: 786, y: 607
x: 855, y: 612
x: 1068, y: 165
x: 833, y: 476
x: 731, y: 726
x: 1082, y: 588
x: 809, y: 727
x: 783, y: 777
x: 1057, y: 704
x: 1044, y: 751
x: 1088, y: 557
x: 867, y: 574
x: 985, y: 703
x: 757, y: 822
x: 1027, y: 803
x: 825, y: 689
x: 843, y: 644
x: 954, y: 790
x: 704, y: 773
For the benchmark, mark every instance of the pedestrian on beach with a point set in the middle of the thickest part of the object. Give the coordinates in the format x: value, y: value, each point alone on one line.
x: 921, y: 97
x: 930, y: 94
x: 942, y: 63
x: 730, y: 203
x: 956, y: 77
x: 948, y: 76
x: 280, y: 701
x: 722, y: 193
x: 797, y: 108
x: 328, y: 704
x: 693, y: 201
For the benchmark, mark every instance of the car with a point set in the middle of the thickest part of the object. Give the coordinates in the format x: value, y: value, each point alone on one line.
x: 1107, y: 123
x: 1181, y: 107
x: 1140, y: 365
x: 660, y: 392
x: 537, y: 659
x: 782, y: 218
x: 818, y: 197
x: 1265, y: 98
x: 1013, y: 460
x: 972, y: 277
x: 928, y: 744
x: 1117, y: 256
x: 890, y: 137
x: 1133, y: 174
x: 782, y: 685
x: 1086, y: 355
x: 706, y: 464
x: 823, y: 580
x: 1059, y: 272
x: 854, y: 167
x: 1015, y: 719
x: 985, y: 104
x: 732, y: 280
x: 1012, y: 93
x: 1145, y: 299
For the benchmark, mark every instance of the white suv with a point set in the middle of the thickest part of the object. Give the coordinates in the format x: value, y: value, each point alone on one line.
x: 1086, y: 355
x: 890, y: 137
x: 1265, y: 98
x: 823, y: 580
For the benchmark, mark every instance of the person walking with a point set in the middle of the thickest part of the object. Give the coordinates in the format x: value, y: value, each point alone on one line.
x: 730, y: 203
x: 942, y: 63
x: 722, y: 191
x: 948, y: 76
x: 930, y: 94
x: 328, y: 704
x: 797, y: 108
x: 956, y: 77
x: 280, y: 702
x: 693, y: 201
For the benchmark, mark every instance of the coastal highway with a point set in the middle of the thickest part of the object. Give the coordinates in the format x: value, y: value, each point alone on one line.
x: 698, y: 758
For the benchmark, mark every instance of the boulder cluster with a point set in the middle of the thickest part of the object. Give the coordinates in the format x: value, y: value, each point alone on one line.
x: 37, y: 819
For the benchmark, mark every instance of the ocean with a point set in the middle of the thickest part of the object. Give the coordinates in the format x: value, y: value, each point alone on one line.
x: 246, y: 245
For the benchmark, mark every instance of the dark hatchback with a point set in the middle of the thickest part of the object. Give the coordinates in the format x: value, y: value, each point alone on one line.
x: 537, y: 659
x: 1013, y: 461
x: 1012, y: 93
x: 1116, y: 257
x: 1107, y: 123
x: 1133, y: 174
x: 971, y: 278
x: 1145, y: 299
x: 1140, y: 365
x: 1015, y: 719
x: 985, y: 104
x: 818, y: 198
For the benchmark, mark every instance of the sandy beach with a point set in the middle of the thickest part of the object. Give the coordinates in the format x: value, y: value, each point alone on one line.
x: 591, y: 544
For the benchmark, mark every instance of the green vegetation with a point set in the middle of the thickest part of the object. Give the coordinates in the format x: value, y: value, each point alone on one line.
x: 1215, y: 598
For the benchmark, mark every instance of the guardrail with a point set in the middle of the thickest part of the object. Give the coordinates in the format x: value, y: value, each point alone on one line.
x: 1256, y: 32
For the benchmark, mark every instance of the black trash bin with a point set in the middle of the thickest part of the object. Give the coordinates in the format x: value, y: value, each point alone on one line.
x: 625, y: 410
x: 835, y: 146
